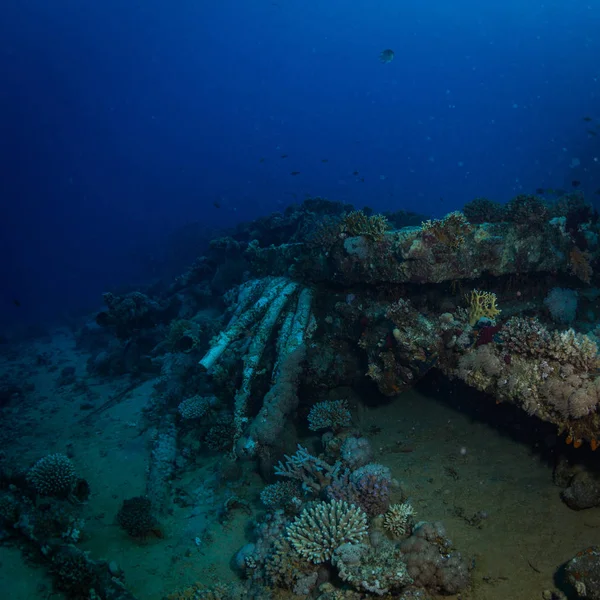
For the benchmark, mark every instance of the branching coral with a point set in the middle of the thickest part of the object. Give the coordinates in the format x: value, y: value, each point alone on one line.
x: 321, y: 529
x: 329, y: 414
x: 357, y: 223
x: 451, y: 231
x: 280, y: 494
x: 530, y: 337
x: 53, y: 475
x: 314, y: 473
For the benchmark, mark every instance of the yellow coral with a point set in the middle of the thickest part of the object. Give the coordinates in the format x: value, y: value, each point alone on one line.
x: 397, y: 520
x: 482, y: 304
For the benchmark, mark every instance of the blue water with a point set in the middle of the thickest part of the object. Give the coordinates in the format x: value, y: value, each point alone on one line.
x: 123, y: 121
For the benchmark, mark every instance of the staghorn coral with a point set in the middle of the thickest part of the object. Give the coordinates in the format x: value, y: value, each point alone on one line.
x: 322, y: 528
x: 53, y: 475
x: 314, y: 473
x: 329, y: 414
x: 397, y: 520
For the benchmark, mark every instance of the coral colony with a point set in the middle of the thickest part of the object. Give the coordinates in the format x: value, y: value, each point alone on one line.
x: 327, y: 308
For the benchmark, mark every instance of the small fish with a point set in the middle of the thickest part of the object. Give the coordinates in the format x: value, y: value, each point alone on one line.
x: 355, y: 172
x: 539, y: 191
x: 262, y: 159
x: 592, y: 132
x: 361, y: 179
x: 441, y: 199
x: 17, y: 302
x: 284, y: 156
x: 324, y: 160
x: 216, y: 204
x: 295, y: 173
x: 587, y: 119
x: 575, y: 183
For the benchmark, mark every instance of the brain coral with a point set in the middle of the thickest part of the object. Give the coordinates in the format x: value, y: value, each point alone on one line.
x: 322, y: 528
x: 53, y: 475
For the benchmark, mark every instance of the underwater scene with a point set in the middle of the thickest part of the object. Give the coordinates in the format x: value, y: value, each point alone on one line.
x: 300, y: 300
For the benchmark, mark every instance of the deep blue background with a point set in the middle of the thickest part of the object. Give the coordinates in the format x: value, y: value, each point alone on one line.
x: 121, y: 121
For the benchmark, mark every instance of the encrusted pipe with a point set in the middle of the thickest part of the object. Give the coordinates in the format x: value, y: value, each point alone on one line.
x: 252, y: 358
x: 243, y: 322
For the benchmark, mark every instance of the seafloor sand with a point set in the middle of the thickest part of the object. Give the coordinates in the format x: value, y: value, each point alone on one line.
x: 527, y: 535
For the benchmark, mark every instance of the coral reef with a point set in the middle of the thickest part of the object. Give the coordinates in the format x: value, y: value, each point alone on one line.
x: 330, y: 414
x: 53, y: 475
x: 316, y: 310
x: 583, y: 572
x: 313, y: 473
x: 321, y: 529
x: 397, y: 520
x: 195, y: 407
x: 136, y: 517
x: 431, y: 561
x: 378, y: 571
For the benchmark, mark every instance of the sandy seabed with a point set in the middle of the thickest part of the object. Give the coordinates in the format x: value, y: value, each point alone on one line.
x: 494, y: 494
